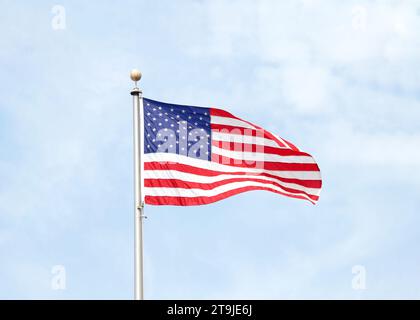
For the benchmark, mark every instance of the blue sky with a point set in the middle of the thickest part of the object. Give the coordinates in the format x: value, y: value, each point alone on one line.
x: 337, y: 78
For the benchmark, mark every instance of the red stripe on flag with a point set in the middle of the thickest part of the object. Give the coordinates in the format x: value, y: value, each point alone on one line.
x: 222, y: 113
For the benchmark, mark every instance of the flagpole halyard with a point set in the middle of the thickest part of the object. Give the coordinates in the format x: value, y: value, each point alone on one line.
x: 135, y: 75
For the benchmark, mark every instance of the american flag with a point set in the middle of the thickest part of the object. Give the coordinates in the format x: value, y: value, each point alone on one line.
x: 195, y: 156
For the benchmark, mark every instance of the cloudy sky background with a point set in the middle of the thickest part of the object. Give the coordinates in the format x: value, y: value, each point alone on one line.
x: 339, y: 79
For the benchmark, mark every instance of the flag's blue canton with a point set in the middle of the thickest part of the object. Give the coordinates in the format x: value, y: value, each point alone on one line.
x: 177, y: 129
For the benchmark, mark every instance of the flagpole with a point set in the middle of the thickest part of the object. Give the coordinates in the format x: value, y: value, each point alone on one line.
x: 137, y: 94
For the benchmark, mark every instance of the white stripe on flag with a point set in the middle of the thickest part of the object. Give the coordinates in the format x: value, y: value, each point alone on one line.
x: 260, y: 156
x: 231, y: 122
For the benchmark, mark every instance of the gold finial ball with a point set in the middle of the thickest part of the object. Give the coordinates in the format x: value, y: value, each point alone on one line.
x: 135, y: 75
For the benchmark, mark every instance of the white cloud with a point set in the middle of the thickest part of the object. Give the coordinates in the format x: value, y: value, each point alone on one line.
x: 314, y: 45
x: 348, y: 146
x: 317, y: 83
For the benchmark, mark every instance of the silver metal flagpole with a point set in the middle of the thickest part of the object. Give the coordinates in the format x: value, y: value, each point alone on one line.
x: 138, y: 204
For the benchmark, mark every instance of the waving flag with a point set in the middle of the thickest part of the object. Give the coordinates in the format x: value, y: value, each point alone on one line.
x: 196, y: 156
